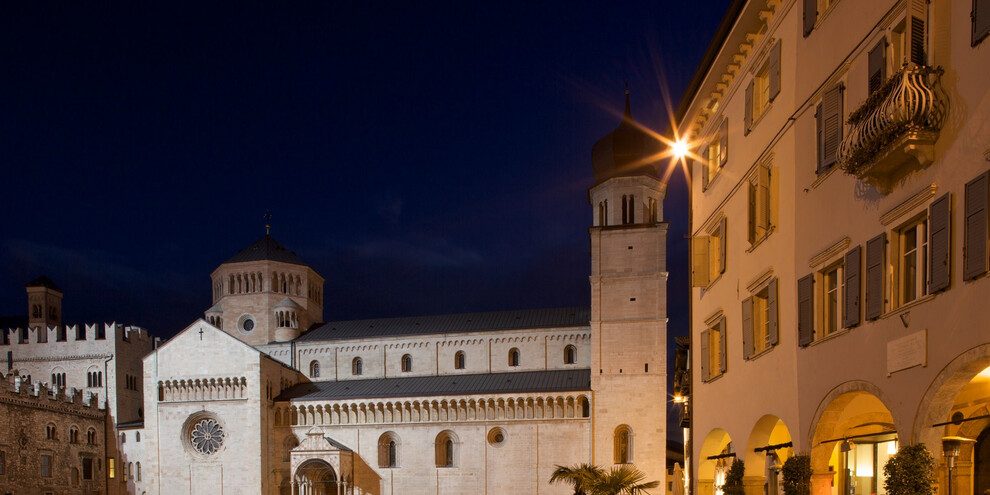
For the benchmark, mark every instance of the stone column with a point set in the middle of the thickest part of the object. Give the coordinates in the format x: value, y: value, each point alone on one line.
x: 821, y: 483
x: 753, y: 485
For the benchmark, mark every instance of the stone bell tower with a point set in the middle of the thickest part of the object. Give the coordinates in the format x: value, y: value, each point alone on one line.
x: 628, y: 301
x: 44, y: 303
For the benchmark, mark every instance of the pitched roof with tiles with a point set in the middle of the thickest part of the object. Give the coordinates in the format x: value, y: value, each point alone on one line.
x: 494, y: 321
x: 571, y: 380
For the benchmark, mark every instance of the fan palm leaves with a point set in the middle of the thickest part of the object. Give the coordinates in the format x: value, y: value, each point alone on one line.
x: 587, y: 479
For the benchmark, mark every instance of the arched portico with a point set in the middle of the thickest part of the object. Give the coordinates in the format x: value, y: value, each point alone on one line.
x: 714, y: 458
x: 955, y: 405
x: 852, y: 437
x: 768, y: 447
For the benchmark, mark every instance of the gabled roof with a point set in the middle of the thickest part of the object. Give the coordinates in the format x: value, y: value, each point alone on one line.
x: 425, y: 386
x: 266, y: 249
x: 455, y: 323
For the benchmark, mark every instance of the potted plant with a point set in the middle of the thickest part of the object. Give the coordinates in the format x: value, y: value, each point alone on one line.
x: 734, y: 478
x: 911, y: 471
x: 797, y: 475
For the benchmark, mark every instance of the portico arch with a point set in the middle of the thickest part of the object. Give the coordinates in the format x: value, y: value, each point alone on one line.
x: 852, y: 437
x: 315, y: 477
x: 713, y: 460
x: 956, y: 401
x: 768, y: 447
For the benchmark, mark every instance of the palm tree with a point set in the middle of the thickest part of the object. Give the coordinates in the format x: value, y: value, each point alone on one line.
x: 592, y: 480
x: 578, y: 476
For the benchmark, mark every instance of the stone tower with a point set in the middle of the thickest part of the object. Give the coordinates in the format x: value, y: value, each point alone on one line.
x: 44, y: 303
x: 628, y: 301
x: 265, y: 294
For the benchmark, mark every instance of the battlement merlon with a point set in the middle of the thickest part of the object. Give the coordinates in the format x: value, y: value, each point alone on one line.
x: 77, y: 333
x: 38, y: 394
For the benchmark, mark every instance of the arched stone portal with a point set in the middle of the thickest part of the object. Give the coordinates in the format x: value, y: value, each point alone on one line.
x: 315, y: 477
x: 768, y: 447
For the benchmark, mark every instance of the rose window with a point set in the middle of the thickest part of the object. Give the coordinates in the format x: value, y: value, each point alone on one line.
x: 207, y: 436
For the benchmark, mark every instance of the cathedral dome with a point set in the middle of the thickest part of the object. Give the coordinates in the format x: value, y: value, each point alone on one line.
x: 628, y: 150
x: 266, y: 249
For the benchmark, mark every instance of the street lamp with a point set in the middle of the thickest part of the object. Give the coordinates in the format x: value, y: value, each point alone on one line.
x: 950, y: 450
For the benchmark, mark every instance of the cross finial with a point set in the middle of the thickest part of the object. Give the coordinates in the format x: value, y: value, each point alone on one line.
x: 268, y: 222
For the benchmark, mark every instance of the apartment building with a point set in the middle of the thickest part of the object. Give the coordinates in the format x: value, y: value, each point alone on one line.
x: 839, y: 197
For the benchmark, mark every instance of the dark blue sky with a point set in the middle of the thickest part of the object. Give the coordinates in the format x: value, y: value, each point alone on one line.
x: 424, y: 158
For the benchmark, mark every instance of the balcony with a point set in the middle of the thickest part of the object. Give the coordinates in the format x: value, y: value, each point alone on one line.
x: 894, y: 132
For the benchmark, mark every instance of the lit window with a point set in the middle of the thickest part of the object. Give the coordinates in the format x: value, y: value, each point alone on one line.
x: 763, y: 88
x: 713, y: 362
x: 911, y: 265
x: 759, y: 315
x: 831, y: 295
x: 111, y: 472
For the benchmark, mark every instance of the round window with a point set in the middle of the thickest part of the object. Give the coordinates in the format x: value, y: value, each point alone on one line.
x: 206, y: 436
x: 496, y: 437
x: 245, y: 323
x: 248, y: 325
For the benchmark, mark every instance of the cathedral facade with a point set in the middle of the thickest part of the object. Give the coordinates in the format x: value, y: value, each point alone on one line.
x: 263, y: 396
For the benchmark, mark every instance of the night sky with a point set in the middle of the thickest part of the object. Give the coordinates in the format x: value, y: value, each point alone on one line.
x: 425, y: 159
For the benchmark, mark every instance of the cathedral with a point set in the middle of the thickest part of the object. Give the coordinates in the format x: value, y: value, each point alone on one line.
x: 263, y: 396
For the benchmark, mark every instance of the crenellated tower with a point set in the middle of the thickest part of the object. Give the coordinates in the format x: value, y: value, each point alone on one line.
x: 628, y: 301
x: 265, y: 294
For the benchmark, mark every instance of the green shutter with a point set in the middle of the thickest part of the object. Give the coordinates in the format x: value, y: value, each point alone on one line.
x: 806, y: 310
x: 939, y: 226
x: 875, y: 249
x: 747, y: 327
x: 975, y: 260
x: 852, y: 288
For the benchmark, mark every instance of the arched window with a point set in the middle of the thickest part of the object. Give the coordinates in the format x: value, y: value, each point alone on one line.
x: 569, y: 354
x: 91, y: 436
x: 314, y: 369
x: 356, y: 366
x: 139, y: 471
x: 585, y: 407
x: 50, y: 431
x: 137, y: 437
x: 388, y: 445
x: 406, y: 363
x: 446, y: 449
x: 288, y: 444
x: 513, y: 357
x: 123, y: 437
x: 623, y: 444
x: 459, y: 359
x: 74, y: 435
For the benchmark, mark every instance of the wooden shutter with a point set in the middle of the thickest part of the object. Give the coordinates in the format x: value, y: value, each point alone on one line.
x: 763, y: 201
x: 981, y: 20
x: 772, y: 312
x: 875, y: 249
x: 852, y: 289
x: 747, y: 327
x: 819, y: 145
x: 700, y: 261
x: 939, y: 226
x: 722, y: 338
x: 704, y: 355
x: 975, y: 250
x: 831, y: 121
x: 877, y: 65
x: 917, y: 16
x: 723, y: 142
x: 806, y: 309
x: 751, y: 211
x: 705, y: 167
x: 775, y: 70
x: 749, y: 107
x: 722, y: 241
x: 810, y: 16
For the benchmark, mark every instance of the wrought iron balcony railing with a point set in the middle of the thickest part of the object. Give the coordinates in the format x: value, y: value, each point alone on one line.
x: 895, y: 130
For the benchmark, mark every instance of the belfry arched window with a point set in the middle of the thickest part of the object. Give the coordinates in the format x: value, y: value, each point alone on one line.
x: 622, y: 440
x: 459, y: 360
x: 570, y: 354
x: 356, y: 367
x: 314, y: 369
x: 406, y: 363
